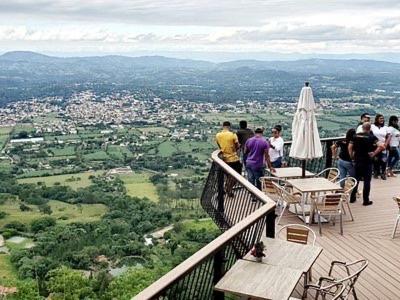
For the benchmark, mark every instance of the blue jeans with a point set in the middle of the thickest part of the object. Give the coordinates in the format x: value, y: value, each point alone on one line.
x: 345, y: 168
x: 277, y: 163
x: 254, y: 174
x: 394, y: 156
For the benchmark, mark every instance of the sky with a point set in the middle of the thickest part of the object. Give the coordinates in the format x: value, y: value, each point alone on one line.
x: 127, y: 26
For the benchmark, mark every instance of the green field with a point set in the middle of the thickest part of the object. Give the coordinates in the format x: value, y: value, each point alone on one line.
x: 7, y: 271
x: 98, y: 155
x: 69, y: 212
x: 166, y: 149
x: 4, y: 135
x: 155, y: 130
x: 139, y: 185
x: 65, y: 179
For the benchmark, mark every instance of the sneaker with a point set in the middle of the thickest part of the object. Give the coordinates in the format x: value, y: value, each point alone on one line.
x: 367, y: 203
x: 383, y: 177
x: 376, y: 176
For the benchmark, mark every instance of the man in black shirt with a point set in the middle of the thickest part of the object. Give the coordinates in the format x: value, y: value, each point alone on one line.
x: 362, y: 149
x: 243, y: 135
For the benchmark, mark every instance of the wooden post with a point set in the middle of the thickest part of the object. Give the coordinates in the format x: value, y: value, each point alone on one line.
x: 328, y: 154
x: 270, y: 224
x: 303, y: 168
x: 219, y: 271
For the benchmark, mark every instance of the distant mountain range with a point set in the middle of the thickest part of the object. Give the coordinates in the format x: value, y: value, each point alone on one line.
x: 26, y: 74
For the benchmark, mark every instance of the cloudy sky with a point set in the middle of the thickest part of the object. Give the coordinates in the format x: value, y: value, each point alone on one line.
x: 125, y: 26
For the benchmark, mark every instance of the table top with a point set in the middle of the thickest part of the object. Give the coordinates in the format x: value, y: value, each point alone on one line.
x: 292, y: 172
x: 258, y: 280
x: 315, y: 184
x: 288, y: 254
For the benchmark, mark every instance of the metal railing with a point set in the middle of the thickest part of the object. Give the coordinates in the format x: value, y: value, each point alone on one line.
x: 243, y: 213
x: 314, y: 165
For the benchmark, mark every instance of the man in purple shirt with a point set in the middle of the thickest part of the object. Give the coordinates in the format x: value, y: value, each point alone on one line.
x: 256, y: 149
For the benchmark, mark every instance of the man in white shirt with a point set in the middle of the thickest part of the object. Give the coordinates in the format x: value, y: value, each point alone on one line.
x: 382, y: 133
x: 276, y: 147
x: 365, y: 117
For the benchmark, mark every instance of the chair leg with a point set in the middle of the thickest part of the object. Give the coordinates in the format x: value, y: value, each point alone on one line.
x: 395, y: 226
x: 344, y: 210
x: 310, y: 275
x: 319, y: 223
x: 341, y: 223
x: 305, y: 284
x: 350, y: 212
x: 354, y: 294
x: 281, y: 214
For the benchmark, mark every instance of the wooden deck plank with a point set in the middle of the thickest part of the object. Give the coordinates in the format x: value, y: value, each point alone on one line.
x: 369, y: 236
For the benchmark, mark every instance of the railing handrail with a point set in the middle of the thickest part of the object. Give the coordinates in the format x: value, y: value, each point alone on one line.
x: 189, y: 264
x: 250, y: 187
x: 186, y: 266
x: 322, y: 140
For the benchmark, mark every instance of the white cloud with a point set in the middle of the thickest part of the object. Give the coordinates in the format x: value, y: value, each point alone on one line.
x: 277, y: 25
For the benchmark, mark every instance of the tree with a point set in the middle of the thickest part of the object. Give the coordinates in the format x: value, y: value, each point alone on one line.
x: 67, y: 284
x: 26, y: 290
x: 45, y: 209
x: 42, y: 223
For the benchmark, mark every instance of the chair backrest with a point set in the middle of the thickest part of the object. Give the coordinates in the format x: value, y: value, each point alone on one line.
x: 285, y: 195
x: 298, y: 233
x: 330, y: 202
x: 330, y: 173
x: 351, y: 279
x: 349, y: 184
x: 267, y: 185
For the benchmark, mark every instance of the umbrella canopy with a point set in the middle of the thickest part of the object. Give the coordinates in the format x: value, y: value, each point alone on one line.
x: 305, y: 137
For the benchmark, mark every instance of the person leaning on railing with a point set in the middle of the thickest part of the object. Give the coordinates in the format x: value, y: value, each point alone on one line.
x: 362, y: 149
x: 228, y: 142
x: 276, y: 147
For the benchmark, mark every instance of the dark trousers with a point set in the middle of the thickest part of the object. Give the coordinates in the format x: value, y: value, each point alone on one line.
x: 380, y: 164
x: 363, y: 172
x: 254, y: 175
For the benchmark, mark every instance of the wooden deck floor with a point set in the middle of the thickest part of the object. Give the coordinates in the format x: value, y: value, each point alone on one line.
x: 369, y: 236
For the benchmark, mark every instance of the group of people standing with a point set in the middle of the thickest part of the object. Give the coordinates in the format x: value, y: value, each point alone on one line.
x: 371, y: 148
x: 251, y: 149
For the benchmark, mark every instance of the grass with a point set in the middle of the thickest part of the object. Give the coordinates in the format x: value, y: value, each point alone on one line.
x: 166, y: 149
x: 98, y: 155
x: 65, y: 179
x: 155, y: 130
x: 61, y: 210
x: 7, y: 271
x: 139, y: 185
x: 66, y: 151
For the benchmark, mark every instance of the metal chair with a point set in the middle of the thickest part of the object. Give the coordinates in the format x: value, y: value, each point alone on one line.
x: 353, y: 271
x: 349, y: 184
x: 298, y: 233
x: 286, y: 199
x: 332, y: 174
x: 330, y: 205
x: 269, y: 188
x: 397, y: 200
x: 332, y: 291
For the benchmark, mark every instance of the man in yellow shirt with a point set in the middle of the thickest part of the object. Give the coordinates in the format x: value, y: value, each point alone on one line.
x: 229, y: 144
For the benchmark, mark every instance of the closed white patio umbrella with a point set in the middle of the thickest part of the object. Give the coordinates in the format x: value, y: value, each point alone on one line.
x: 306, y: 143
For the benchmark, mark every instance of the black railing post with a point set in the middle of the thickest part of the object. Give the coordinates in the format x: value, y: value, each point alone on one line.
x: 270, y: 224
x: 219, y: 271
x: 328, y: 154
x: 220, y: 195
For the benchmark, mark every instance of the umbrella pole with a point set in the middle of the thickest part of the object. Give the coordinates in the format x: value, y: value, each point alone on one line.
x: 303, y: 168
